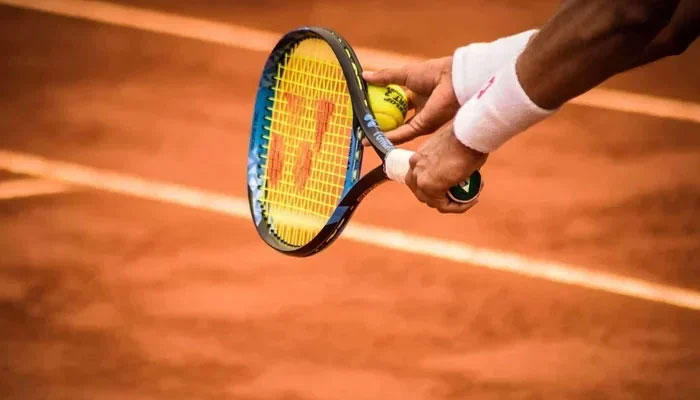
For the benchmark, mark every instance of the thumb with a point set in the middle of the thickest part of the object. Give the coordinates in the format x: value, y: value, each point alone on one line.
x: 387, y: 76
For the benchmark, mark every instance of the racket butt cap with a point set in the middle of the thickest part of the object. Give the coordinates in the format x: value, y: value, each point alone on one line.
x: 466, y: 191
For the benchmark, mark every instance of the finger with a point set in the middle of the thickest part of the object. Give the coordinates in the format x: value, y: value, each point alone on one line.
x: 402, y: 134
x: 432, y: 199
x: 451, y: 207
x: 423, y: 198
x: 432, y: 202
x: 434, y: 113
x: 411, y: 182
x: 413, y: 161
x: 386, y: 76
x: 406, y: 132
x: 410, y: 179
x: 410, y: 99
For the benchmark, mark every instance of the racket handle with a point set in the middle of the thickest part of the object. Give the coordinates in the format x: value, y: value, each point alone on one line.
x: 396, y: 166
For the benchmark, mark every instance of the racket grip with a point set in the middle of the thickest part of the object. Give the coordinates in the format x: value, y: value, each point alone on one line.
x: 396, y: 166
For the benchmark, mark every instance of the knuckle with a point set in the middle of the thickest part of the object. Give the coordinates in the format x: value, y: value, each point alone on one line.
x: 427, y: 184
x: 423, y: 182
x: 411, y: 182
x: 413, y: 161
x: 418, y: 122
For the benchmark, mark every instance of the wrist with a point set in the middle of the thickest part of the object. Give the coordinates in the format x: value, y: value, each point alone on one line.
x: 447, y: 76
x: 498, y: 111
x: 468, y: 151
x: 472, y: 65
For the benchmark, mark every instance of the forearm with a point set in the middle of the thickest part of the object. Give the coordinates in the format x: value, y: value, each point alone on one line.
x: 587, y: 42
x: 675, y: 38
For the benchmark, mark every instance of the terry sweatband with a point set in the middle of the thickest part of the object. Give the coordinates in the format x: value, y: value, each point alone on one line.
x: 472, y: 65
x: 497, y: 112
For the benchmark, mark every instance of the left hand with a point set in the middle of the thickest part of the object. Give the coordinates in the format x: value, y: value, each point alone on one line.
x: 440, y: 163
x: 430, y: 93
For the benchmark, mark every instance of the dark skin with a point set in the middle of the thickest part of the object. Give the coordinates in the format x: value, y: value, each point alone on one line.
x: 677, y: 36
x: 585, y: 43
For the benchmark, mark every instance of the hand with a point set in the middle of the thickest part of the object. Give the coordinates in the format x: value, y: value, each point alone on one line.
x: 440, y: 163
x: 430, y: 92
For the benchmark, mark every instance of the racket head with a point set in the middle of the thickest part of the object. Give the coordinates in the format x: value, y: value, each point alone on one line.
x: 305, y: 152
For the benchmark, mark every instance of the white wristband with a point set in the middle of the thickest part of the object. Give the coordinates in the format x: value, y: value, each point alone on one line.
x: 497, y: 112
x: 472, y: 65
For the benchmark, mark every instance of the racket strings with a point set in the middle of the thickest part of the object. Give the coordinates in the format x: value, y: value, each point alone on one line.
x: 308, y: 143
x: 306, y: 130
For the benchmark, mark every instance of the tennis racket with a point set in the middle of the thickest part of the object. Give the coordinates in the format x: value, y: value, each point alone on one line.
x: 311, y: 113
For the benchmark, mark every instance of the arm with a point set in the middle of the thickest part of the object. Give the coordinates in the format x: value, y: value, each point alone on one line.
x: 677, y: 36
x: 585, y: 43
x: 438, y: 87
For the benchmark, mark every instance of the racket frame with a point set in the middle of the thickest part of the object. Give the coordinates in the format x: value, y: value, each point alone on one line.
x: 364, y: 126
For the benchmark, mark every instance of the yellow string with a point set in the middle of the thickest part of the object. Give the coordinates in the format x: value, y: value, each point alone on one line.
x: 309, y: 82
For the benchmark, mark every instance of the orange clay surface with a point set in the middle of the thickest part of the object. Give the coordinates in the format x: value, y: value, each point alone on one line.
x: 109, y: 297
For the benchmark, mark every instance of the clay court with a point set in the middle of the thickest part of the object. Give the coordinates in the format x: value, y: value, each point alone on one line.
x: 130, y: 269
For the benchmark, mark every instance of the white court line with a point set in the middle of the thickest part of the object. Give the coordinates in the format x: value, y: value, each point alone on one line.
x: 263, y: 41
x: 21, y: 188
x: 372, y: 235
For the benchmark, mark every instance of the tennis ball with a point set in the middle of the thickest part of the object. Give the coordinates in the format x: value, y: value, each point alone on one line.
x: 389, y: 105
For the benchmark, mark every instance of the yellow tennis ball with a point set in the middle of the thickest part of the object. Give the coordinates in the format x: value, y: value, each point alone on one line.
x: 389, y: 105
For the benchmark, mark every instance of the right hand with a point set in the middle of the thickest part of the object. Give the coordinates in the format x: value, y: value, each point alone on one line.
x: 441, y: 162
x: 430, y: 93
